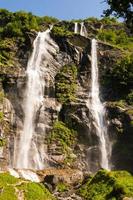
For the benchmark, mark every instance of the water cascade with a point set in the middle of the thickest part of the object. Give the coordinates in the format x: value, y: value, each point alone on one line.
x: 28, y: 155
x: 76, y: 27
x: 82, y: 30
x: 97, y: 109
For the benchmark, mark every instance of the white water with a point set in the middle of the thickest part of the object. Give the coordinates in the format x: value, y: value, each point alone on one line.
x: 76, y: 27
x: 97, y: 108
x: 82, y: 31
x: 29, y: 157
x: 26, y: 174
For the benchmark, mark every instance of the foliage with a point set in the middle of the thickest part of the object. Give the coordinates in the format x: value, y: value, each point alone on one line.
x: 120, y: 76
x: 130, y: 98
x: 47, y: 20
x: 62, y: 187
x: 1, y: 97
x: 65, y: 138
x: 62, y: 134
x: 108, y: 185
x: 14, y: 33
x: 17, y: 24
x: 65, y: 84
x: 109, y: 20
x: 104, y: 20
x: 61, y: 31
x: 116, y: 37
x: 2, y: 142
x: 121, y: 8
x: 122, y: 72
x: 6, y: 52
x: 92, y: 19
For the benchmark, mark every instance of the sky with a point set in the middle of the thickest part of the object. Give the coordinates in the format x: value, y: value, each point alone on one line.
x: 61, y: 9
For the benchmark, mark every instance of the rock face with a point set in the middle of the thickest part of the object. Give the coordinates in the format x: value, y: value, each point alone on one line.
x: 73, y: 50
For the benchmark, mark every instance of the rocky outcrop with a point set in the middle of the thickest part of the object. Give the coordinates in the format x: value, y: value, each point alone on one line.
x: 73, y: 50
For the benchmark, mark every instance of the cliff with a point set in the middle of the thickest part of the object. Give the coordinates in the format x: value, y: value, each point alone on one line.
x: 64, y: 125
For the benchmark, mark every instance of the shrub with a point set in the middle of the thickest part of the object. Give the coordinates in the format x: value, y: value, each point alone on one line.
x: 62, y: 187
x: 61, y: 31
x: 62, y: 134
x: 120, y: 77
x: 130, y: 98
x: 47, y: 19
x: 65, y: 84
x: 108, y: 185
x: 115, y: 37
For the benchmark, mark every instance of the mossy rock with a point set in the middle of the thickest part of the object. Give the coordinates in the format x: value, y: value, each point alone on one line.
x: 108, y: 185
x: 11, y: 187
x: 66, y: 84
x: 61, y: 133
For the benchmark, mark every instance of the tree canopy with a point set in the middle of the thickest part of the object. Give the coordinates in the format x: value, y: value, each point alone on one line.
x: 121, y: 8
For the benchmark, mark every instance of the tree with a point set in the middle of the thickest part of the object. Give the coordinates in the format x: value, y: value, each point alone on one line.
x: 121, y: 8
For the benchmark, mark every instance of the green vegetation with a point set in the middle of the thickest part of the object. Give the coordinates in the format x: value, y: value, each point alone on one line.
x: 46, y: 20
x: 17, y: 24
x: 61, y: 31
x: 1, y: 97
x: 14, y: 33
x: 65, y: 139
x: 121, y: 8
x: 7, y: 189
x: 34, y: 191
x: 62, y: 187
x: 11, y: 186
x: 116, y: 37
x: 113, y: 185
x: 63, y: 135
x: 110, y: 21
x: 120, y: 77
x: 1, y: 116
x: 7, y: 52
x: 130, y: 98
x: 105, y: 20
x: 65, y: 84
x: 111, y: 31
x: 122, y: 73
x: 2, y: 142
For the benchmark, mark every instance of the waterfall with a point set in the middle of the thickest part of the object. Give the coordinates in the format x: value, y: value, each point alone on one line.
x: 82, y: 30
x: 76, y: 27
x: 28, y: 154
x: 97, y: 109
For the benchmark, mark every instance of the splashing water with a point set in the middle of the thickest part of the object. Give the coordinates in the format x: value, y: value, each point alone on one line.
x: 97, y: 109
x: 28, y: 155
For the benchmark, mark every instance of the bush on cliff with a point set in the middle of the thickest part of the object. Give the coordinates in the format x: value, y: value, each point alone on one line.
x: 108, y: 185
x: 65, y: 84
x: 120, y: 78
x: 63, y: 135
